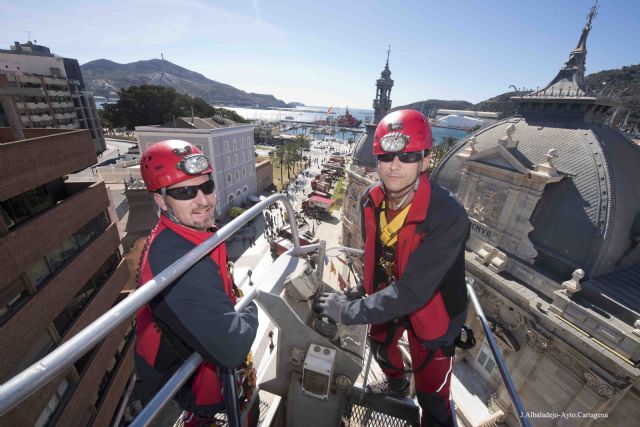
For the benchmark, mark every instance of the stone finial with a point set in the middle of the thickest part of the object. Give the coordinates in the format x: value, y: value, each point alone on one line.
x: 572, y: 286
x: 547, y: 168
x: 472, y: 144
x: 507, y: 140
x: 469, y: 151
x: 551, y: 154
x: 636, y: 327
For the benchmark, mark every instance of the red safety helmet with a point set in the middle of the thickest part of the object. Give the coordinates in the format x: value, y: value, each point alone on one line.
x: 402, y: 131
x: 172, y: 161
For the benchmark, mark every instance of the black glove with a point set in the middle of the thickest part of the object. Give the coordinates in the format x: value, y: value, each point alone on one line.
x: 354, y: 293
x: 331, y: 305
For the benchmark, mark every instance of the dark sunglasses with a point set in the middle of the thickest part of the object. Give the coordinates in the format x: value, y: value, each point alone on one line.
x: 190, y: 191
x: 410, y: 157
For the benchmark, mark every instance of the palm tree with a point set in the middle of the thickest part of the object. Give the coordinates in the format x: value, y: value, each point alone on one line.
x: 302, y: 142
x: 280, y: 155
x: 446, y: 144
x: 292, y: 156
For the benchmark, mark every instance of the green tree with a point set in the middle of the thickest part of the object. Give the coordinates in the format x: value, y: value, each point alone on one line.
x: 280, y: 155
x: 149, y: 105
x: 446, y: 144
x: 292, y: 156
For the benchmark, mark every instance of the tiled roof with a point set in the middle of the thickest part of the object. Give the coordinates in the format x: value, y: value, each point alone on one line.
x: 584, y: 220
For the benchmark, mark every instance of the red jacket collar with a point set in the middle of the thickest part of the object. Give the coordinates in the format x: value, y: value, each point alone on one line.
x: 188, y: 233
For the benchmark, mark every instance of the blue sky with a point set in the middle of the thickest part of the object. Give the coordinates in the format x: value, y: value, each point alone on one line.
x: 331, y: 52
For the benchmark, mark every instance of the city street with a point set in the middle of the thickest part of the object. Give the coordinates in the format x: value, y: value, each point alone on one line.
x: 257, y: 257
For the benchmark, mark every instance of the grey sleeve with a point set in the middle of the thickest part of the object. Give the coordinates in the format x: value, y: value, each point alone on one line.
x: 197, y: 310
x: 446, y: 234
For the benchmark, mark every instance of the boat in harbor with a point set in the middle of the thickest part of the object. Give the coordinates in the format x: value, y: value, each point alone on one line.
x: 347, y: 120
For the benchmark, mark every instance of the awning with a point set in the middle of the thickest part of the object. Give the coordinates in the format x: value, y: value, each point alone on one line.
x: 322, y: 200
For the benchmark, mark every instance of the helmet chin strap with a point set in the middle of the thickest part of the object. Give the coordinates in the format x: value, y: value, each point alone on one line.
x: 413, y: 190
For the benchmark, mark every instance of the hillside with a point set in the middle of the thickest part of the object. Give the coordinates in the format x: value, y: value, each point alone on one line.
x: 106, y: 78
x: 625, y: 80
x: 431, y: 105
x: 617, y: 80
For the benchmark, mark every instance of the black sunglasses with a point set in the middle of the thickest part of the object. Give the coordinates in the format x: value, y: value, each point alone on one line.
x: 410, y: 157
x: 190, y: 191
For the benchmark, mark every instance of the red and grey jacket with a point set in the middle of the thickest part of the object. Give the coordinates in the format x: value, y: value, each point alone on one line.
x: 195, y: 313
x: 429, y: 266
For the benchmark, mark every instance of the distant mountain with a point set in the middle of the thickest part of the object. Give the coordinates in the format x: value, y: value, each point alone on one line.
x: 106, y: 78
x: 625, y: 80
x: 431, y: 105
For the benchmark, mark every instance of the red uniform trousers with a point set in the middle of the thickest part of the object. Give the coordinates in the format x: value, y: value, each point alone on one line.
x: 432, y: 380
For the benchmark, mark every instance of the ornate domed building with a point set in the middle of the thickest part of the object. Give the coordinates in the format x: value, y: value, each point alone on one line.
x: 553, y: 195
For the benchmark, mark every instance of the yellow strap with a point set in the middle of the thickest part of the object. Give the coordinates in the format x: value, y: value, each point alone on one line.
x: 389, y: 232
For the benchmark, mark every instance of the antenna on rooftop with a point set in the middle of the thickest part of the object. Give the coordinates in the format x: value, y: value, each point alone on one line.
x: 28, y: 34
x: 162, y: 73
x: 592, y: 14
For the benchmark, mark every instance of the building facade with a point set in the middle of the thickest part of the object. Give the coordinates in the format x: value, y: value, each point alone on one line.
x: 554, y: 205
x: 231, y: 151
x: 60, y: 269
x: 45, y: 91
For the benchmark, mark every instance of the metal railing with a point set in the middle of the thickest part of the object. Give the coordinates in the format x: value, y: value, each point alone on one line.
x: 498, y: 358
x: 40, y: 373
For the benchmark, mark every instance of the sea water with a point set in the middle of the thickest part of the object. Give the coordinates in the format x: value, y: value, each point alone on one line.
x: 312, y: 114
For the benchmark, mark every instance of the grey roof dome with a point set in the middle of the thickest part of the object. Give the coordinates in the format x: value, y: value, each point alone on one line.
x: 363, y: 153
x: 585, y: 219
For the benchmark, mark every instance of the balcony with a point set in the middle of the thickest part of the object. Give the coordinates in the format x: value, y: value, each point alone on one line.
x: 28, y: 79
x: 60, y: 93
x: 55, y: 81
x: 56, y: 154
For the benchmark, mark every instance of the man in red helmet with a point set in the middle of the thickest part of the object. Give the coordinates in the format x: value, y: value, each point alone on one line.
x: 414, y: 233
x: 196, y: 312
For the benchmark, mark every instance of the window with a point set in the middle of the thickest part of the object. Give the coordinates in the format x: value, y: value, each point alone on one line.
x: 45, y: 267
x: 237, y: 176
x: 236, y: 157
x: 485, y: 359
x: 244, y: 172
x: 113, y: 367
x: 22, y: 207
x: 39, y: 348
x: 54, y: 404
x: 235, y: 144
x: 226, y: 146
x: 62, y: 253
x: 229, y: 178
x: 38, y: 272
x: 12, y: 297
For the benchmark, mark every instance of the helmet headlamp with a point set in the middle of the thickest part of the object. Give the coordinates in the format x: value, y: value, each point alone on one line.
x: 194, y: 164
x: 394, y: 142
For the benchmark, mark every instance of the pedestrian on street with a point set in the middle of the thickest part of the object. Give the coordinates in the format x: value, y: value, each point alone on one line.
x: 417, y: 285
x: 178, y: 321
